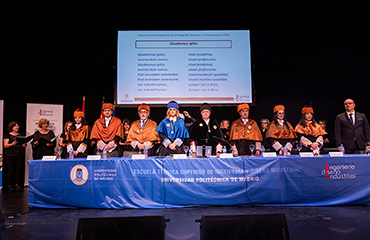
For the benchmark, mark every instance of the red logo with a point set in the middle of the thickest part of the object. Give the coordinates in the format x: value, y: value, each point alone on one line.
x: 327, y: 170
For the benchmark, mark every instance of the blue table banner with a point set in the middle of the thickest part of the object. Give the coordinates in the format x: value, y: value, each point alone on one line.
x: 166, y: 182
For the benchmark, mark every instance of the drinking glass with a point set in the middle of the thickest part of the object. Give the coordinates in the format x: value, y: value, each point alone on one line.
x: 59, y: 151
x: 186, y: 149
x: 299, y: 147
x: 252, y: 147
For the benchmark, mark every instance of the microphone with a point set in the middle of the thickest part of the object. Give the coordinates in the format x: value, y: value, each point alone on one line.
x: 223, y: 140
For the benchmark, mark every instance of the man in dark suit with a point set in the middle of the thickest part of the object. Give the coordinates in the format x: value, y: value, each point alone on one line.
x: 351, y: 128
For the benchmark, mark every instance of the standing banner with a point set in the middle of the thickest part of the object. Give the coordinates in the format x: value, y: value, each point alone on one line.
x: 52, y: 112
x: 1, y: 141
x: 1, y: 125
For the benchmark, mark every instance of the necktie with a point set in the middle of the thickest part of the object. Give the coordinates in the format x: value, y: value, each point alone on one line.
x: 351, y: 118
x: 142, y: 124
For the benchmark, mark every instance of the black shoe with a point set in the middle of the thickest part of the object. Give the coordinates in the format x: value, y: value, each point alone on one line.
x: 10, y: 189
x: 17, y: 188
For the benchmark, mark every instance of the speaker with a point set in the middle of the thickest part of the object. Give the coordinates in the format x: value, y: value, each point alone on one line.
x: 147, y: 227
x: 264, y: 226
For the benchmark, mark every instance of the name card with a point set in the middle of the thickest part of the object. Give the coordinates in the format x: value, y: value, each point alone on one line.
x: 269, y: 154
x: 93, y: 157
x: 180, y: 156
x: 138, y: 156
x: 226, y: 155
x: 49, y: 158
x: 306, y: 154
x: 336, y: 154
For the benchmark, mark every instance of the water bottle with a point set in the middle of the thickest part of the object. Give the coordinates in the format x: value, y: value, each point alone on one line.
x: 341, y: 148
x: 104, y: 155
x: 190, y: 152
x: 145, y: 152
x: 70, y: 156
x: 285, y: 151
x: 218, y: 149
x: 263, y: 148
x: 224, y: 150
x: 193, y: 149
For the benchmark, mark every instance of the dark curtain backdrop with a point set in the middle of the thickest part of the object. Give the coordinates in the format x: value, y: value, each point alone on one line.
x: 61, y: 63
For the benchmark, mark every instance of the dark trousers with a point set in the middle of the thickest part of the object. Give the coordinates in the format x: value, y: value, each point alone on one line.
x: 14, y: 166
x: 243, y: 146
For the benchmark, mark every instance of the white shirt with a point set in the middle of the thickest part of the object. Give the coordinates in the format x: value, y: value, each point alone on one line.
x: 107, y: 120
x: 173, y: 119
x: 78, y: 125
x: 244, y: 121
x: 142, y: 123
x: 206, y: 121
x: 353, y: 116
x: 281, y: 122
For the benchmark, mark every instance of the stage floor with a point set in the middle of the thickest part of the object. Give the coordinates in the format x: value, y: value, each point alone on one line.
x: 335, y: 222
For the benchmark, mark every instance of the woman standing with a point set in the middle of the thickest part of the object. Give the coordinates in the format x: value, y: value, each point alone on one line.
x: 309, y: 132
x: 78, y: 135
x: 42, y: 144
x: 172, y: 131
x: 280, y: 132
x: 14, y: 157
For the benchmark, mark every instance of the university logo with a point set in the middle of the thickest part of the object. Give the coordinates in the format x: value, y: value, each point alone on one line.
x: 79, y: 174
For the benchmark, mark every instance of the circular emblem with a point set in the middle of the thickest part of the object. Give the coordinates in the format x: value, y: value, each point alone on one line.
x: 168, y: 125
x: 79, y: 174
x: 249, y: 127
x: 200, y: 124
x: 137, y: 131
x: 248, y: 131
x: 214, y: 127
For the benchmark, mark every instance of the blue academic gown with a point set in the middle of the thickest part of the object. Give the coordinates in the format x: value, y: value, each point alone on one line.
x: 172, y: 131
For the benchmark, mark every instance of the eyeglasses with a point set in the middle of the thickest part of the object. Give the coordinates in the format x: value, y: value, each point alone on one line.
x: 280, y: 113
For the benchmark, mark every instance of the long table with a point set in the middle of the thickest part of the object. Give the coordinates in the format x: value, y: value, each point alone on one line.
x: 166, y: 182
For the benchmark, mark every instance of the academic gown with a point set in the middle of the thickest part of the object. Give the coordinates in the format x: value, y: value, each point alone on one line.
x: 280, y: 136
x: 172, y: 131
x: 308, y: 134
x: 114, y: 131
x: 144, y: 134
x: 78, y: 139
x: 243, y: 135
x: 208, y: 135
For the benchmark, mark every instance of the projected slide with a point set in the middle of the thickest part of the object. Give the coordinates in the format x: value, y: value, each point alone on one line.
x: 190, y: 67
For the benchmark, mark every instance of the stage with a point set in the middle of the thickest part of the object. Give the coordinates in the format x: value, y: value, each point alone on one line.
x: 154, y: 182
x: 330, y: 222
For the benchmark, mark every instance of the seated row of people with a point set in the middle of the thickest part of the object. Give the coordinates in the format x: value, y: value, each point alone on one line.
x: 169, y: 137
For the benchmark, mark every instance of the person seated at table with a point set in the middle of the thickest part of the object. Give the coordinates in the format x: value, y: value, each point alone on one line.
x: 43, y: 141
x: 225, y: 128
x: 124, y: 147
x: 309, y: 132
x: 263, y: 127
x: 78, y: 135
x: 107, y: 132
x: 172, y: 131
x: 62, y: 143
x: 142, y: 133
x: 328, y: 139
x: 280, y: 132
x: 206, y: 131
x: 245, y: 132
